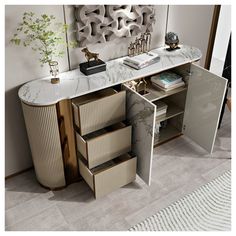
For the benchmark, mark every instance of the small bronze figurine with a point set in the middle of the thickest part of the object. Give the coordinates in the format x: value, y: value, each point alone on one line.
x: 90, y: 55
x: 141, y: 86
x: 92, y: 66
x: 132, y: 84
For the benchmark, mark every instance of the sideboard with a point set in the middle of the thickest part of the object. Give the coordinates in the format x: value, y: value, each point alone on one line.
x: 49, y: 112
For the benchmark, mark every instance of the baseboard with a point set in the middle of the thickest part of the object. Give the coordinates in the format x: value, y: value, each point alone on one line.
x: 18, y: 173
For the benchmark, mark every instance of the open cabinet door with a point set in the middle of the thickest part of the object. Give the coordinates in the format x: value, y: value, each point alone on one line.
x: 203, y: 106
x: 141, y: 114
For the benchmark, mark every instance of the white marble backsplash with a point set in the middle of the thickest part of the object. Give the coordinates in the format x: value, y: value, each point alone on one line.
x: 73, y: 83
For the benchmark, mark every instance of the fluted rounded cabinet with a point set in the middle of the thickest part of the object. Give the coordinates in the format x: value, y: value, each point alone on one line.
x: 44, y: 138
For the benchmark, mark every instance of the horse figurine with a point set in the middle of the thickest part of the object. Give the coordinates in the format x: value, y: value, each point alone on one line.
x: 90, y: 55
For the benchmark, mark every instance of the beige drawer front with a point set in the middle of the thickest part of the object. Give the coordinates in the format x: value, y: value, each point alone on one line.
x: 105, y: 145
x: 111, y: 175
x: 98, y: 110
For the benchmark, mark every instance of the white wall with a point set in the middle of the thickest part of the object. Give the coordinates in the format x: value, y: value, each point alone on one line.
x: 221, y: 40
x: 192, y: 23
x: 22, y: 64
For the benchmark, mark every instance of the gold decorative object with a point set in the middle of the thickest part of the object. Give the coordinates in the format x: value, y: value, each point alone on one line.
x: 140, y: 45
x: 148, y: 39
x: 131, y: 49
x: 54, y: 70
x: 90, y: 55
x: 141, y: 86
x: 132, y: 84
x: 143, y: 43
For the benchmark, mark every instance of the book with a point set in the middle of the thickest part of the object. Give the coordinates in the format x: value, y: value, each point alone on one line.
x: 161, y: 108
x: 160, y: 105
x: 142, y: 66
x: 142, y: 60
x: 161, y: 113
x: 166, y: 79
x: 157, y: 131
x: 174, y: 86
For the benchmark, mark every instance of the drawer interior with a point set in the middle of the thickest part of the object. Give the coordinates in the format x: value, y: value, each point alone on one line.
x: 111, y: 175
x: 103, y: 131
x: 109, y: 164
x: 105, y: 144
x: 93, y: 96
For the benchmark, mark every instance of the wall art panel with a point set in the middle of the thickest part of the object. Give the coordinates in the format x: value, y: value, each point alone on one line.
x: 102, y: 23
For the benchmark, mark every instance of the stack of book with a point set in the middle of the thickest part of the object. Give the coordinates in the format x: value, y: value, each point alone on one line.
x: 161, y: 108
x: 159, y: 127
x: 157, y: 131
x: 167, y: 81
x: 142, y: 60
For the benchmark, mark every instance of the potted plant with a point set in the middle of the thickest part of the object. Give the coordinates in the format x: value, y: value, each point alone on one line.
x: 44, y: 36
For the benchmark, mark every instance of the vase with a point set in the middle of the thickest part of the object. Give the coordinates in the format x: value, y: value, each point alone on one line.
x: 54, y: 71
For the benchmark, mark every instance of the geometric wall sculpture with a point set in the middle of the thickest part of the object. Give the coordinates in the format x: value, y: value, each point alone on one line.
x: 102, y: 23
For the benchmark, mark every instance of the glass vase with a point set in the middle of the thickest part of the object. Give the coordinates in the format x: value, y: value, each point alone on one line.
x: 54, y: 71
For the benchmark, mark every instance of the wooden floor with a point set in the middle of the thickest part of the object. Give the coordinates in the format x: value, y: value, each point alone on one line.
x: 179, y: 167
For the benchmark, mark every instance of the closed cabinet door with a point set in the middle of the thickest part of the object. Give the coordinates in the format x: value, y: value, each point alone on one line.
x: 203, y: 106
x: 141, y: 115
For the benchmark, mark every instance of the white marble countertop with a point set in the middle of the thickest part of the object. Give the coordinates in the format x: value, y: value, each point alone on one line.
x: 73, y: 83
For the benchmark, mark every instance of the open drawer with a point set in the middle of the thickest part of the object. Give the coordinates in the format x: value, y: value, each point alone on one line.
x: 105, y: 144
x: 109, y: 176
x: 98, y: 110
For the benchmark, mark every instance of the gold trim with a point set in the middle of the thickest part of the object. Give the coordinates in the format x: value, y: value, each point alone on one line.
x: 212, y: 36
x: 64, y: 110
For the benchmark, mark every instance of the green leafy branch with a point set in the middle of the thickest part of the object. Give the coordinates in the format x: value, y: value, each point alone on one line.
x: 38, y: 33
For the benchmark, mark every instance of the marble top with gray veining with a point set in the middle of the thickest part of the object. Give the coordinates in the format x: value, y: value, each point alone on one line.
x: 73, y: 83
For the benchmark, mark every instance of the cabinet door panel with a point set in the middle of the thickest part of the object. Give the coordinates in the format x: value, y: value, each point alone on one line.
x: 141, y: 114
x: 203, y: 106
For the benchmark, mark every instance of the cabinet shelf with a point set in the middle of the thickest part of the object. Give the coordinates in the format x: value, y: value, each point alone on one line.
x: 153, y: 93
x: 172, y: 111
x: 167, y: 133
